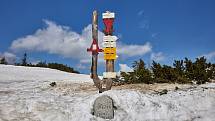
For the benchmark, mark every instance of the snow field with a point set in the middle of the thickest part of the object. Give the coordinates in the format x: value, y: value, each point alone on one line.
x: 25, y: 95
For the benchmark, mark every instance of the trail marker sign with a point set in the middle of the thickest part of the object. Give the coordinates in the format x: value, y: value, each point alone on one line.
x: 103, y: 107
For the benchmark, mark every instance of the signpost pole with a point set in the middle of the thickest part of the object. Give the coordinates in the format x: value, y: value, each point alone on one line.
x: 109, y: 48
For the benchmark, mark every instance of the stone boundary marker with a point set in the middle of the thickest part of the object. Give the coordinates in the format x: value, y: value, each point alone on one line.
x: 103, y: 107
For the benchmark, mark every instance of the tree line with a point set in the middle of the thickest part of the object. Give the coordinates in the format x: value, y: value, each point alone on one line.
x: 43, y: 64
x: 182, y: 71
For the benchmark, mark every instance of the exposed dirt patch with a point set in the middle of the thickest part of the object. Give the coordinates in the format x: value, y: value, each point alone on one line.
x: 6, y: 92
x: 68, y: 87
x: 144, y: 88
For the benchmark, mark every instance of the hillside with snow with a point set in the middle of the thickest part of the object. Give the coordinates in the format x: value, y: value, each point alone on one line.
x: 26, y: 95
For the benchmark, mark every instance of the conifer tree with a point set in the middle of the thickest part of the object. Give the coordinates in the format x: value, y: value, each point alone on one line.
x: 24, y: 60
x: 3, y: 61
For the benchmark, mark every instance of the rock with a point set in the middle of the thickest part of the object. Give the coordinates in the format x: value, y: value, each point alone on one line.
x: 53, y: 84
x: 163, y: 92
x: 176, y: 88
x: 103, y: 107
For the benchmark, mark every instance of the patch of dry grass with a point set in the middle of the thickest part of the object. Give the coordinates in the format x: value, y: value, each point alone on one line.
x: 145, y: 88
x: 68, y: 87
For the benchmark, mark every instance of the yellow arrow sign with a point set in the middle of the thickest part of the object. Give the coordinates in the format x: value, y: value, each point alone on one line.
x: 110, y: 50
x: 110, y: 56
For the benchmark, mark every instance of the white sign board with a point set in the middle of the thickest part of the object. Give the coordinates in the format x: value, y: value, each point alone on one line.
x: 108, y: 15
x: 109, y: 44
x: 109, y: 75
x: 110, y: 38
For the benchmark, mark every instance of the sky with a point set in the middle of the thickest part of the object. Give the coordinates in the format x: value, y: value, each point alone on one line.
x: 60, y: 31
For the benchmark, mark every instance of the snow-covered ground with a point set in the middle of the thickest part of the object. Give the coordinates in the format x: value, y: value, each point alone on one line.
x: 25, y: 95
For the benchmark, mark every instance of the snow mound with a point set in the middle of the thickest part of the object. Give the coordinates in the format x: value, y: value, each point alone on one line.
x: 19, y: 73
x: 25, y: 95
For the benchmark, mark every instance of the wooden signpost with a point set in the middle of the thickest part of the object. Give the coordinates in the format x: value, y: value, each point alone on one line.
x: 103, y: 106
x: 109, y: 44
x: 109, y: 49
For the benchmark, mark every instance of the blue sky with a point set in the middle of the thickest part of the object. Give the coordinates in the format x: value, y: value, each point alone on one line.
x: 150, y: 29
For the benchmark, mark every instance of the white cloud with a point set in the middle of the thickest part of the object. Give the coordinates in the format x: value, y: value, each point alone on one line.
x: 57, y: 39
x: 61, y: 40
x: 210, y: 56
x: 134, y: 50
x: 157, y: 56
x: 81, y: 66
x: 35, y: 62
x: 10, y: 57
x: 125, y: 68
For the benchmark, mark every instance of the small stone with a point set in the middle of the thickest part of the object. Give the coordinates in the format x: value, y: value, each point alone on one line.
x: 163, y: 92
x: 176, y: 88
x: 53, y: 84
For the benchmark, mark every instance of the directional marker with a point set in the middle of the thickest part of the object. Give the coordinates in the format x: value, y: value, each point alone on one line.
x: 110, y: 38
x: 108, y: 15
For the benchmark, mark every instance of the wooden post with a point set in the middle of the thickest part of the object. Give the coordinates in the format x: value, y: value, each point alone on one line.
x: 95, y: 37
x: 95, y: 77
x: 109, y: 49
x: 109, y: 65
x: 95, y: 25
